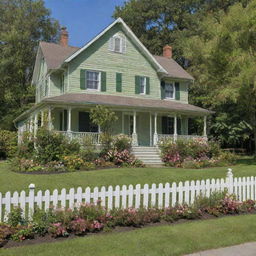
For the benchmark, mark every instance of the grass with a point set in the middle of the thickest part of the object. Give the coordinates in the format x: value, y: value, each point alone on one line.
x: 152, y: 241
x: 11, y: 181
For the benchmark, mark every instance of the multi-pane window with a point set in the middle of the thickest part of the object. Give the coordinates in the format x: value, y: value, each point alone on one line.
x: 143, y: 83
x: 169, y: 91
x: 93, y: 80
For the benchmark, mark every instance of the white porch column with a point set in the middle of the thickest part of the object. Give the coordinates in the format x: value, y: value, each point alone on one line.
x: 205, y: 126
x: 42, y: 118
x: 122, y: 122
x: 69, y: 119
x: 35, y: 124
x: 50, y: 118
x: 134, y: 133
x: 31, y: 125
x: 175, y: 135
x: 150, y: 128
x: 155, y: 130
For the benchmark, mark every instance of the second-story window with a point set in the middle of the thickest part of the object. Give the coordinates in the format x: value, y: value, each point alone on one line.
x: 143, y: 84
x: 93, y: 80
x: 169, y: 90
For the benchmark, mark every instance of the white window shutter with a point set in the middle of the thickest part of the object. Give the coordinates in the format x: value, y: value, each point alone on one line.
x: 111, y: 44
x: 123, y: 45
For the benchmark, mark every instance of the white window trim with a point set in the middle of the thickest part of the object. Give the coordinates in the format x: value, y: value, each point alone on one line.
x: 122, y: 42
x: 99, y: 87
x: 145, y: 85
x: 174, y: 91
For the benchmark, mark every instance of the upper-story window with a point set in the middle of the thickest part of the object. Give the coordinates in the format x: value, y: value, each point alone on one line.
x: 143, y: 84
x: 117, y: 43
x: 93, y: 80
x: 169, y: 91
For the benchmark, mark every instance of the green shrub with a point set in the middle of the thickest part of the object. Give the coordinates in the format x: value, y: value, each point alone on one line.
x: 122, y: 142
x: 51, y: 146
x: 15, y: 217
x: 8, y: 144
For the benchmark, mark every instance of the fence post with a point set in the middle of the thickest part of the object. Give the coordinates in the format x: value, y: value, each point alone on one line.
x: 230, y: 181
x: 31, y: 200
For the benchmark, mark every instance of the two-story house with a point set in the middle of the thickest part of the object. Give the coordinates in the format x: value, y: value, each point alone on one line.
x: 148, y: 93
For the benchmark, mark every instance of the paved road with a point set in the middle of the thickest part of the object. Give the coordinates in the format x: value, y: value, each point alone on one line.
x: 247, y: 249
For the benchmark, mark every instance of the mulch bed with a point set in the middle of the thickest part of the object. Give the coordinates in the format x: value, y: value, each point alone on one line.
x: 49, y: 239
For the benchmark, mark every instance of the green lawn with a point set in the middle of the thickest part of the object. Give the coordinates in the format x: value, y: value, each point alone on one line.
x: 10, y: 181
x: 152, y: 241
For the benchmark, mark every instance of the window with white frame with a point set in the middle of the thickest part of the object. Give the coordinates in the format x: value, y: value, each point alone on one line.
x: 117, y: 43
x: 169, y: 91
x: 143, y: 83
x: 93, y: 80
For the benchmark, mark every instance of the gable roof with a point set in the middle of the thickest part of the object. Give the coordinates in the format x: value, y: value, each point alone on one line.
x: 56, y: 55
x: 134, y: 38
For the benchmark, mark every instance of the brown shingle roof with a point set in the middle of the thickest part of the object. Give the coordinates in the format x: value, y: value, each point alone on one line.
x: 173, y: 68
x: 55, y: 54
x: 122, y: 101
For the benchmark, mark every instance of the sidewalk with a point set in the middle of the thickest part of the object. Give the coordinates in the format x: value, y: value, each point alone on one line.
x: 247, y: 249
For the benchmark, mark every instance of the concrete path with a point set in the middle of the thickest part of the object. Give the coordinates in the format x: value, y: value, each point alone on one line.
x: 247, y: 249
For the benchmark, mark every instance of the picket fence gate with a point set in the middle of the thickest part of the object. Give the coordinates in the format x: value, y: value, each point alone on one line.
x: 160, y: 196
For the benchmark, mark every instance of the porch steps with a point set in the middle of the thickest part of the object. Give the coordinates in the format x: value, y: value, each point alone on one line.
x: 150, y: 156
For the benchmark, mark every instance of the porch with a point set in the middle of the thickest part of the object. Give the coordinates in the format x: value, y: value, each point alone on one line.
x: 146, y: 128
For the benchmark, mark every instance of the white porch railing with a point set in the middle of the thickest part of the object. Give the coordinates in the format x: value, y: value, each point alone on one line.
x: 163, y: 137
x: 80, y: 136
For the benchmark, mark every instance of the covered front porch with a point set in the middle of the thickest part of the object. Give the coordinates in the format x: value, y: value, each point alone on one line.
x: 146, y: 128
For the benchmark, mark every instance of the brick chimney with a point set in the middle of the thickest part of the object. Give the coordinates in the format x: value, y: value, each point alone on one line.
x: 64, y: 37
x: 167, y: 51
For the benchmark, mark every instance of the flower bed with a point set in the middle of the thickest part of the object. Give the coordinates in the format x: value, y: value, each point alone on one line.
x: 93, y: 218
x: 51, y: 152
x: 195, y: 153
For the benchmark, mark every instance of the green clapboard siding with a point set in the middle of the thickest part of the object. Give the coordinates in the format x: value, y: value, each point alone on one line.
x: 97, y: 57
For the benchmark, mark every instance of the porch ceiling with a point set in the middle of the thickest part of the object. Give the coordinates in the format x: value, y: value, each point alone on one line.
x: 128, y: 102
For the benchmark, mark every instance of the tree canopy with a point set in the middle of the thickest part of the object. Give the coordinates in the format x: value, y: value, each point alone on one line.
x: 23, y: 23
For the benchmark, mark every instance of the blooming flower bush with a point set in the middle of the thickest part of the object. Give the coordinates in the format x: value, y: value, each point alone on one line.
x: 194, y: 153
x: 86, y: 218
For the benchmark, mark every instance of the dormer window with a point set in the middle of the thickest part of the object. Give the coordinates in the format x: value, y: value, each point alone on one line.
x: 117, y: 44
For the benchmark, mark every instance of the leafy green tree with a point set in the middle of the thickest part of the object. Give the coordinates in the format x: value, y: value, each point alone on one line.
x: 162, y: 22
x: 105, y: 119
x: 223, y: 59
x: 23, y: 23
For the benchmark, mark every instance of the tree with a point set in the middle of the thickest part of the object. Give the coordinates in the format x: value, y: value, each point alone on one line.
x: 223, y: 60
x: 23, y: 23
x: 105, y: 119
x: 161, y: 22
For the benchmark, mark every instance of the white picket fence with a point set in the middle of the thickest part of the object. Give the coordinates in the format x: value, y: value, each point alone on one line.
x: 160, y: 196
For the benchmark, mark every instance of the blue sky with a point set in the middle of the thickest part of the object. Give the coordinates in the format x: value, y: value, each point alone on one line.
x: 83, y: 18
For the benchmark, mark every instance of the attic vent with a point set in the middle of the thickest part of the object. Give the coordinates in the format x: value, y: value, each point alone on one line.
x: 117, y: 43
